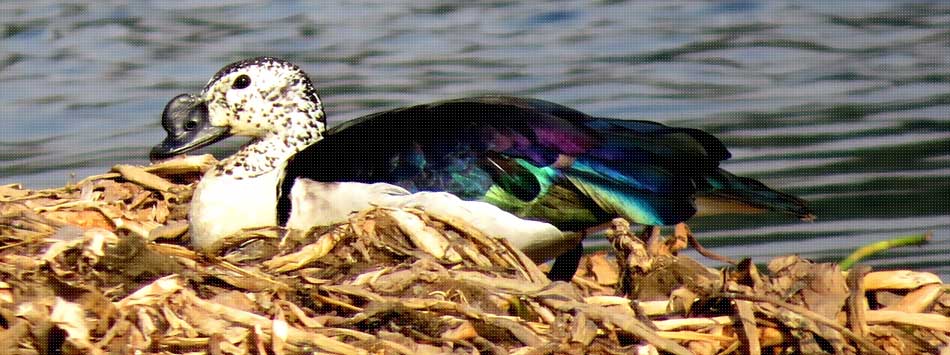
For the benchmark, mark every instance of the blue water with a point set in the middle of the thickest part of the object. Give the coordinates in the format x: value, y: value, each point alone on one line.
x: 843, y: 103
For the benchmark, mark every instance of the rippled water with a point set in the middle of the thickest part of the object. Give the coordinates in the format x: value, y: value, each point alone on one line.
x: 843, y: 103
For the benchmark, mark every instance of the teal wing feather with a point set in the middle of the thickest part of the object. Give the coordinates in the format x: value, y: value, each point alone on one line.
x: 557, y: 202
x: 581, y: 196
x: 617, y: 197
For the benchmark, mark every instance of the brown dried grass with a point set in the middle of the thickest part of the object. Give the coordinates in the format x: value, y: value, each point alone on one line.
x: 101, y: 267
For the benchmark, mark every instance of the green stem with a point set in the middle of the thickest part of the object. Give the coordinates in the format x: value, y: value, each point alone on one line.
x: 877, y: 247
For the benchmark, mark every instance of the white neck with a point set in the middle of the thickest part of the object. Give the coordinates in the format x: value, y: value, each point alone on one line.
x: 257, y: 157
x: 241, y: 191
x: 272, y: 151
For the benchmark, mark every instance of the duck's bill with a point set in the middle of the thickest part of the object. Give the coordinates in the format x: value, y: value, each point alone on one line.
x: 186, y: 121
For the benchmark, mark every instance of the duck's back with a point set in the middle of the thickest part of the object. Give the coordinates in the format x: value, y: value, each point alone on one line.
x: 404, y: 144
x: 511, y: 151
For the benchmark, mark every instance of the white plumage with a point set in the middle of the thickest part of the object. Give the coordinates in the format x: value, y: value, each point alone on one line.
x: 325, y: 203
x: 223, y: 205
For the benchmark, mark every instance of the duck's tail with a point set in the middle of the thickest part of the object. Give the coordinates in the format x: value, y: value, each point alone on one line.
x: 691, y: 154
x: 728, y: 193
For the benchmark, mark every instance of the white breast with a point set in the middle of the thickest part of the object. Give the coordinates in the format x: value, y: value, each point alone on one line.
x: 222, y: 205
x: 325, y: 203
x: 316, y: 203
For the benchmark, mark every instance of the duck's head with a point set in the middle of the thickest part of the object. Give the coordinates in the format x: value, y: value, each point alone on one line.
x: 260, y: 97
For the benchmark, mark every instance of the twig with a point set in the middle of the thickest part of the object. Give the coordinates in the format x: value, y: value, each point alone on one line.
x: 919, y: 320
x: 630, y: 325
x: 709, y: 253
x: 857, y: 302
x: 139, y: 176
x: 748, y: 331
x: 250, y: 319
x: 560, y: 298
x: 805, y: 312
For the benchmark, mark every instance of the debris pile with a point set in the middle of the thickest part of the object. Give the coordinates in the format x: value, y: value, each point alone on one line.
x: 101, y: 267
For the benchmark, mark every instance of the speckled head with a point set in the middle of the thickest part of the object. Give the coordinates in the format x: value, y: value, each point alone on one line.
x: 260, y: 96
x: 267, y: 98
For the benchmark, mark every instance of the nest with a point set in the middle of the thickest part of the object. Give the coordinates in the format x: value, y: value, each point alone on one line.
x: 101, y: 266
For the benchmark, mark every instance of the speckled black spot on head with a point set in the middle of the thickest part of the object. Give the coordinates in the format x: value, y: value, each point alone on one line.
x: 310, y: 92
x: 230, y: 68
x: 302, y: 79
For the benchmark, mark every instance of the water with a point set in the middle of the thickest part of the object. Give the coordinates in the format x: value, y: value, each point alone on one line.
x: 842, y: 103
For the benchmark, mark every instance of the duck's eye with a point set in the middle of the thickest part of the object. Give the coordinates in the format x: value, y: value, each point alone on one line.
x: 191, y: 125
x: 241, y: 82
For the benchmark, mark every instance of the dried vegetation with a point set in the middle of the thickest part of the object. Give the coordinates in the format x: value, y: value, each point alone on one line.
x: 100, y: 267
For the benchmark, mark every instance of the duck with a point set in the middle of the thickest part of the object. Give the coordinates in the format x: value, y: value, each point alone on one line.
x: 545, y: 174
